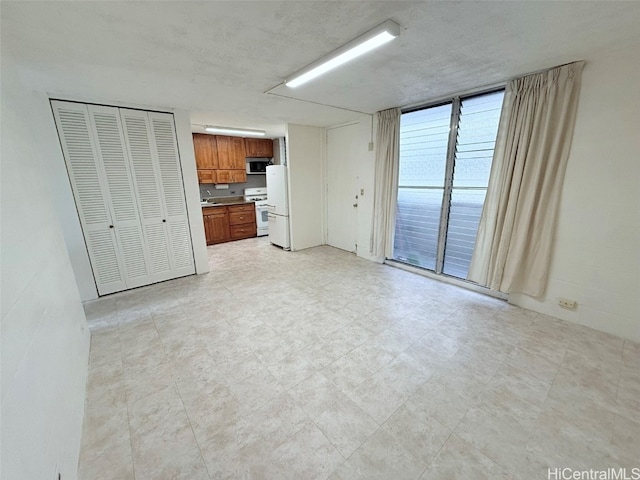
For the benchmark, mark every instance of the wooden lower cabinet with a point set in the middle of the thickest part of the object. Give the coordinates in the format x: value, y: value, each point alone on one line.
x: 216, y: 225
x: 242, y: 221
x: 225, y: 223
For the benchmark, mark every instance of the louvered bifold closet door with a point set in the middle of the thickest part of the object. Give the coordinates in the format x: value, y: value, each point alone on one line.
x: 91, y: 195
x: 149, y: 191
x: 128, y: 230
x: 166, y: 150
x: 153, y: 152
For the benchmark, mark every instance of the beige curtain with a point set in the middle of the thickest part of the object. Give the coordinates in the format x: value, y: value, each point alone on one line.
x: 386, y: 181
x: 516, y: 230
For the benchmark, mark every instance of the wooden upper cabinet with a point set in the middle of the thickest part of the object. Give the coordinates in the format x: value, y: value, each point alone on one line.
x: 238, y: 176
x: 224, y: 176
x: 222, y: 159
x: 231, y: 153
x: 206, y: 151
x: 238, y: 154
x: 231, y: 176
x: 207, y: 176
x: 259, y: 147
x: 224, y: 152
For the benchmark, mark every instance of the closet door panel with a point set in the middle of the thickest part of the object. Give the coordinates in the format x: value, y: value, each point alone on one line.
x: 91, y: 194
x: 182, y: 251
x: 134, y: 253
x: 158, y: 248
x: 105, y: 261
x: 137, y: 136
x: 168, y: 164
x: 166, y: 150
x: 128, y: 231
x: 138, y: 139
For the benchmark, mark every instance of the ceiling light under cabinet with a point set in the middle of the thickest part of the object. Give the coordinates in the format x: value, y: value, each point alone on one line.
x: 383, y: 33
x: 234, y: 131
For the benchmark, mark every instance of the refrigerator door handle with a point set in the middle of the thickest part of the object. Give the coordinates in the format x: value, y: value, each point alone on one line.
x: 271, y: 215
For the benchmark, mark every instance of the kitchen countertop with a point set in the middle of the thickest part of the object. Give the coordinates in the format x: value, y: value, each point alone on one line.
x: 225, y: 204
x: 224, y: 201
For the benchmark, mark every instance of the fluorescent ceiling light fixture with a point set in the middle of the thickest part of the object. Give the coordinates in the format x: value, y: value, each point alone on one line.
x: 234, y: 131
x: 383, y: 33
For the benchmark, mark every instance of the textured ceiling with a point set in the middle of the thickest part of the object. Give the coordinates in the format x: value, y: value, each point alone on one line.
x: 216, y: 59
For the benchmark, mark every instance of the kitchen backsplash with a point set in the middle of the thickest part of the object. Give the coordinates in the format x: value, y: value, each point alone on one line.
x: 235, y: 189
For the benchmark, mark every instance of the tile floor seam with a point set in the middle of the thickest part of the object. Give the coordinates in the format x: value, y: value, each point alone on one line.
x: 482, y: 450
x: 555, y: 376
x: 126, y: 399
x: 186, y: 412
x: 438, y: 452
x: 441, y: 446
x: 476, y: 404
x: 330, y: 442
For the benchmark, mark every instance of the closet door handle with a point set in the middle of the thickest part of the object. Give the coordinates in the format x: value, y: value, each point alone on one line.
x: 110, y: 226
x: 164, y: 221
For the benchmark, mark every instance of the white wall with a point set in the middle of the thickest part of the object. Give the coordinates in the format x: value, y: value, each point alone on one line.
x: 191, y: 189
x: 306, y: 153
x: 596, y: 258
x: 65, y: 205
x: 45, y: 342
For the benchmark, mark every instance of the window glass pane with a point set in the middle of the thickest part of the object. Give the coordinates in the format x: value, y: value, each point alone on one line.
x: 477, y: 130
x: 423, y: 146
x: 464, y: 217
x: 417, y: 224
x: 424, y: 136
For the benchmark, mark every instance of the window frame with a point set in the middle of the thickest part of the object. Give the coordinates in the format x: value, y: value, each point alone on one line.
x: 454, y: 122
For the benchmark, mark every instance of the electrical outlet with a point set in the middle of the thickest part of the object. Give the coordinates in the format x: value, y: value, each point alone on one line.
x: 568, y: 304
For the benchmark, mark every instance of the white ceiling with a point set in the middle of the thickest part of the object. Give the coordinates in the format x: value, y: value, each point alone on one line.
x: 216, y: 59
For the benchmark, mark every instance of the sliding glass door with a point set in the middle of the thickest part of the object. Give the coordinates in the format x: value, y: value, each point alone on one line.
x: 445, y: 161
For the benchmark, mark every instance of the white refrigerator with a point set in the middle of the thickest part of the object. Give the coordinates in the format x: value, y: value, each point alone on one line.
x: 278, y: 206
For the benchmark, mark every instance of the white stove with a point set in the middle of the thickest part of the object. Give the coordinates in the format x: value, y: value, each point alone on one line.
x: 259, y: 196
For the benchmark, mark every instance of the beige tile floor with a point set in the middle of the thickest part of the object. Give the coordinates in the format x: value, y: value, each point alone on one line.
x: 317, y: 364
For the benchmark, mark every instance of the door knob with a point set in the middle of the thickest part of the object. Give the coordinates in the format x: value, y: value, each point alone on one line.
x: 110, y: 226
x: 355, y: 204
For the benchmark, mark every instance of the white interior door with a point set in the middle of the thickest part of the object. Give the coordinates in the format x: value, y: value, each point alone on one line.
x: 342, y: 186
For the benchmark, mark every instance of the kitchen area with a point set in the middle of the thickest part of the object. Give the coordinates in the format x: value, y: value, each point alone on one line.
x: 243, y: 187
